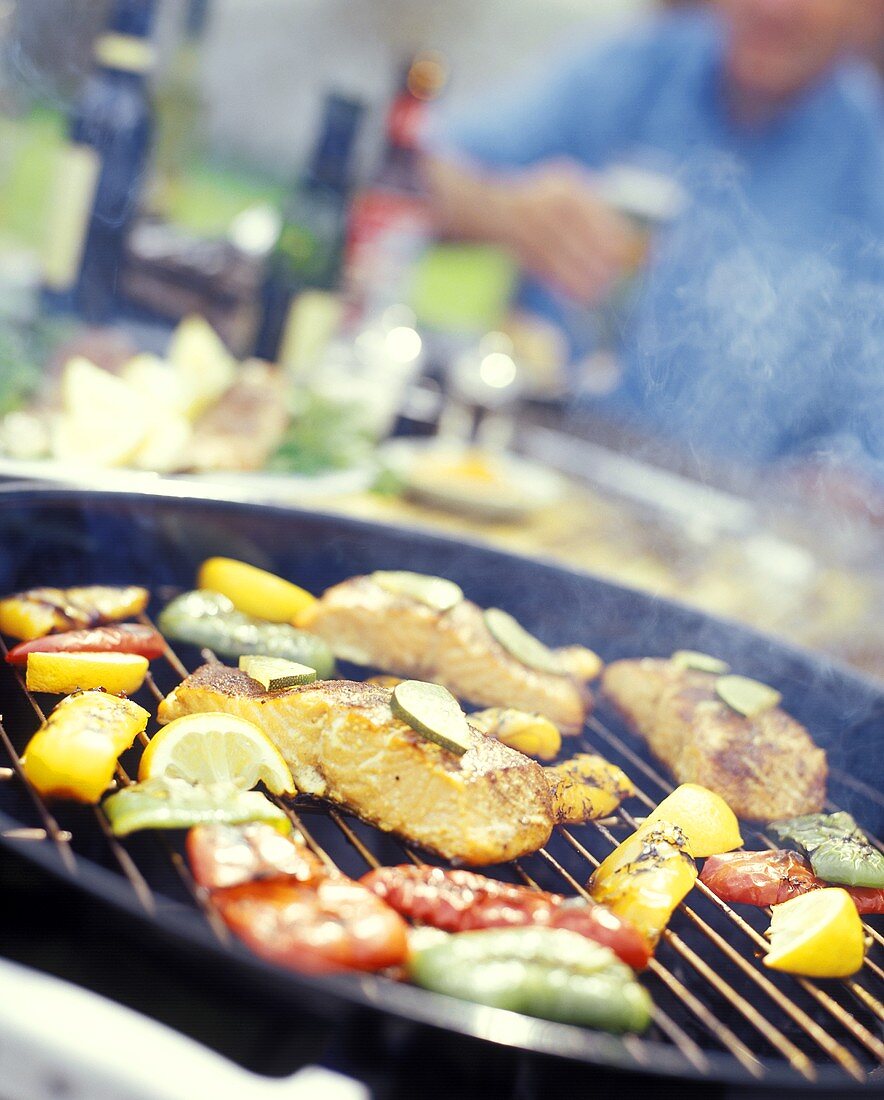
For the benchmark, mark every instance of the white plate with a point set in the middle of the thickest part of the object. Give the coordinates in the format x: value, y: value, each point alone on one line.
x: 523, y: 487
x: 257, y: 487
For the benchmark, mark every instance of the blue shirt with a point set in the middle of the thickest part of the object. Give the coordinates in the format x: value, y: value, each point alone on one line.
x: 758, y: 331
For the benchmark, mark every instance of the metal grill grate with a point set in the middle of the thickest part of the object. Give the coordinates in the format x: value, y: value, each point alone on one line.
x: 711, y: 992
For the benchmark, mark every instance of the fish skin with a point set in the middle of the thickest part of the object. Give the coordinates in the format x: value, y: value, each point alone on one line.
x: 366, y: 624
x: 765, y: 768
x: 341, y: 741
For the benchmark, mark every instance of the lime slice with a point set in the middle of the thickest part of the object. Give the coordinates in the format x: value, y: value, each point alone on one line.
x: 747, y: 697
x: 432, y: 711
x: 516, y: 640
x: 700, y: 662
x: 168, y: 803
x: 819, y: 935
x: 436, y: 592
x: 275, y: 673
x: 710, y: 825
x: 216, y: 748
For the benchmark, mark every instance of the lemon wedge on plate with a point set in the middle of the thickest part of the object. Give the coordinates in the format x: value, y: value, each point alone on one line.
x: 710, y: 825
x: 103, y: 419
x: 216, y: 748
x: 819, y: 935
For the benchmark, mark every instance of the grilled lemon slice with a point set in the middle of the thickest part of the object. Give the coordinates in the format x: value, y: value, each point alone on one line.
x: 216, y: 748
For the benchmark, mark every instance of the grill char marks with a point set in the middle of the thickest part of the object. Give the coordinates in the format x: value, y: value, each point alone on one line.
x: 342, y: 743
x: 765, y: 767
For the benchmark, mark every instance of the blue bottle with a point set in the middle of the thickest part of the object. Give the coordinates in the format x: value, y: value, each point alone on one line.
x: 103, y: 167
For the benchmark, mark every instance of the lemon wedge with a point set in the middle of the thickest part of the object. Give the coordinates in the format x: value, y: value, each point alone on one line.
x: 710, y: 825
x: 103, y: 420
x: 818, y: 935
x: 63, y: 673
x: 203, y: 365
x: 254, y: 591
x: 216, y: 748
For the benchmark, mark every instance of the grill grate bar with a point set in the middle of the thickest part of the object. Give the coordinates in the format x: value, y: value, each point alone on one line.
x: 821, y: 1037
x: 692, y: 1052
x: 834, y: 1049
x: 617, y: 743
x: 61, y: 838
x: 848, y: 780
x: 669, y: 1027
x: 796, y: 1057
x: 717, y: 1028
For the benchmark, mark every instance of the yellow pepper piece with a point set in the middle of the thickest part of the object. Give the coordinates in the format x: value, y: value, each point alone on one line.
x: 707, y: 821
x: 74, y: 753
x: 531, y: 734
x: 645, y: 878
x: 42, y: 611
x: 254, y: 591
x: 118, y: 673
x: 586, y: 787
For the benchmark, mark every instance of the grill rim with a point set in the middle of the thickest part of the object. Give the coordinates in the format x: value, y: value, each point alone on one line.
x: 367, y: 992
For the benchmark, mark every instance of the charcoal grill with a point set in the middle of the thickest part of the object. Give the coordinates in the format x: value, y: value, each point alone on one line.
x: 719, y: 1014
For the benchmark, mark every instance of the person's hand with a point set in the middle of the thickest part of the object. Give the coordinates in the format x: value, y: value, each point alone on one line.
x: 561, y: 231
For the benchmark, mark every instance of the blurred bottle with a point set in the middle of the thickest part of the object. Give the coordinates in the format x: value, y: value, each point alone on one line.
x: 389, y: 222
x: 179, y: 108
x: 309, y: 249
x: 102, y: 171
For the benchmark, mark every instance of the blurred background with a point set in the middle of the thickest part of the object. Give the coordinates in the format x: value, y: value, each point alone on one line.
x: 231, y: 253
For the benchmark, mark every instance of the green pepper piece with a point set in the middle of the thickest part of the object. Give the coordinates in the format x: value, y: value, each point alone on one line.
x: 538, y: 971
x: 170, y: 803
x: 810, y: 830
x: 838, y: 850
x: 848, y: 863
x: 210, y: 619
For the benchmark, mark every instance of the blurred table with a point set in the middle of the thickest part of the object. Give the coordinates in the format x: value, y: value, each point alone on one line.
x: 753, y: 575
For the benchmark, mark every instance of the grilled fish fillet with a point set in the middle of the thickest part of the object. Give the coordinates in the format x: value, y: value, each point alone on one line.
x: 342, y: 743
x: 366, y: 624
x: 765, y: 768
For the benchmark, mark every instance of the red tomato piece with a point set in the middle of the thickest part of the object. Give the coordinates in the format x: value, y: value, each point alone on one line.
x: 769, y: 878
x: 125, y: 638
x: 462, y: 901
x: 228, y: 855
x: 329, y: 925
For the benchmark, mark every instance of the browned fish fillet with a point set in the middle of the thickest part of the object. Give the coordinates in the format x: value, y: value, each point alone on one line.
x: 243, y: 428
x: 368, y: 625
x: 342, y: 743
x: 765, y: 767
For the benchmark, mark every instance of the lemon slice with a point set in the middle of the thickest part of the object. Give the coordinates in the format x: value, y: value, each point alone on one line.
x: 710, y: 825
x: 216, y: 748
x: 254, y: 591
x: 63, y: 673
x: 819, y: 935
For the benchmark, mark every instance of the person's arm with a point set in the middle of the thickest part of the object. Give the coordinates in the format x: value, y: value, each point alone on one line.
x: 548, y: 216
x: 517, y: 167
